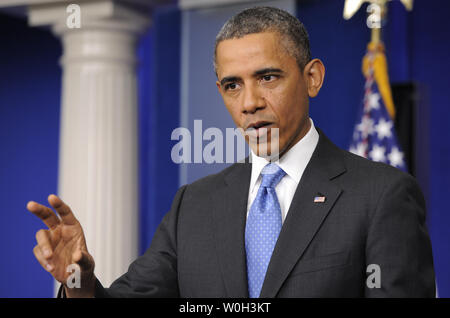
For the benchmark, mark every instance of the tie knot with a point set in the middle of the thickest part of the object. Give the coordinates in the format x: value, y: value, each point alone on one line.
x: 271, y: 175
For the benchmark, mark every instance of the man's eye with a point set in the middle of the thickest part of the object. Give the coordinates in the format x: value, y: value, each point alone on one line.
x: 268, y: 78
x: 231, y: 86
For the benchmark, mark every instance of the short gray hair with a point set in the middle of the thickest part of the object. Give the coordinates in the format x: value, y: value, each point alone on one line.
x: 268, y: 19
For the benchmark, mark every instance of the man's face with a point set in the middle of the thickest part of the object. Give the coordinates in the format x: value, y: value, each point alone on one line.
x: 263, y: 87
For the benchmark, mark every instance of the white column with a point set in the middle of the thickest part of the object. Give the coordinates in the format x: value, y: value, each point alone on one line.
x: 98, y: 157
x: 98, y: 145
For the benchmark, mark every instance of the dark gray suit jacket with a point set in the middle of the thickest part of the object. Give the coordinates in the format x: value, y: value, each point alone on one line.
x: 373, y: 214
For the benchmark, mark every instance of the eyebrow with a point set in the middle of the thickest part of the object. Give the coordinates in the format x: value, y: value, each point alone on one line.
x: 260, y: 72
x: 267, y: 70
x: 228, y: 79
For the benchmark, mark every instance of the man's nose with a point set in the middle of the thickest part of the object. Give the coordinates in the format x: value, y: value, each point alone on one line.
x: 253, y: 100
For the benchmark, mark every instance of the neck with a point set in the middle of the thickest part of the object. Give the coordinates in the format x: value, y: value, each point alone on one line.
x: 301, y: 132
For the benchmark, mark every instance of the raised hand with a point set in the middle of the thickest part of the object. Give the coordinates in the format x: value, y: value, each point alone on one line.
x: 63, y: 244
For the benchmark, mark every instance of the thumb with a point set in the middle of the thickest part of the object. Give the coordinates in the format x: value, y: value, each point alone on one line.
x: 84, y: 260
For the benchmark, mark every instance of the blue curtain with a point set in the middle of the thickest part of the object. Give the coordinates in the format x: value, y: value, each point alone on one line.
x: 159, y: 92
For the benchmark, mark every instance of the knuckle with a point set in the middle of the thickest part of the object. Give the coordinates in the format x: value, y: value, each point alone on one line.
x: 40, y: 213
x: 40, y: 234
x: 37, y: 253
x: 47, y: 252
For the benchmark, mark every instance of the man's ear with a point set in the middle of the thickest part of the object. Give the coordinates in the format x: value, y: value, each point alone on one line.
x: 314, y: 73
x: 219, y: 87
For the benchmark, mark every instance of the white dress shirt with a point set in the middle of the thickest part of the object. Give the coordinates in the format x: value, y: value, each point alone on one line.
x: 293, y: 163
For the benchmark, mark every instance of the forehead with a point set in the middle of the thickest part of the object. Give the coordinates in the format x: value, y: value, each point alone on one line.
x: 250, y: 53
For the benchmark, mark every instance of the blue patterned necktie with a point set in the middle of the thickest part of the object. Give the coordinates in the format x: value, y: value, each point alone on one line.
x: 262, y: 228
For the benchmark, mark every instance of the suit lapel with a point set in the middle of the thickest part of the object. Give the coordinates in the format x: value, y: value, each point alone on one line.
x: 305, y: 216
x: 229, y: 218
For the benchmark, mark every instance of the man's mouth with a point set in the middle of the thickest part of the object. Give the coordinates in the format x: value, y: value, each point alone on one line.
x: 259, y: 124
x: 258, y: 129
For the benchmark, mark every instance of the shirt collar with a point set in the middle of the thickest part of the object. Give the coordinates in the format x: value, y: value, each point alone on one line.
x: 292, y: 162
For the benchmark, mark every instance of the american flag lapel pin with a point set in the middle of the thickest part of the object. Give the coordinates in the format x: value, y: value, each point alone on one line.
x: 319, y: 198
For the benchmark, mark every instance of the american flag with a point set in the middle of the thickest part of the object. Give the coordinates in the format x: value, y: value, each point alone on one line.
x: 319, y: 199
x: 374, y: 135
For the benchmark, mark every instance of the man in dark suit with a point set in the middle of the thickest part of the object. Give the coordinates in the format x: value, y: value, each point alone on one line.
x: 305, y: 220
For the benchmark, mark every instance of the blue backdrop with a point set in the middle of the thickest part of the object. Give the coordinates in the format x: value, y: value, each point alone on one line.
x: 29, y: 118
x: 29, y: 125
x: 159, y: 84
x: 417, y: 51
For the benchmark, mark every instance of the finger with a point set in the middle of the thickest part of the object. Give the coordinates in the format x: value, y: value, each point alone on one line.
x: 63, y: 210
x: 44, y: 213
x: 41, y: 259
x: 44, y: 241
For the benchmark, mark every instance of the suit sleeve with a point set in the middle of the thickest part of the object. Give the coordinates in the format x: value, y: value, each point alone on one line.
x: 153, y: 274
x: 399, y: 244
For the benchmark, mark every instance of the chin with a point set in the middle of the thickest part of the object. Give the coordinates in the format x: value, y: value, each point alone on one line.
x: 265, y: 151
